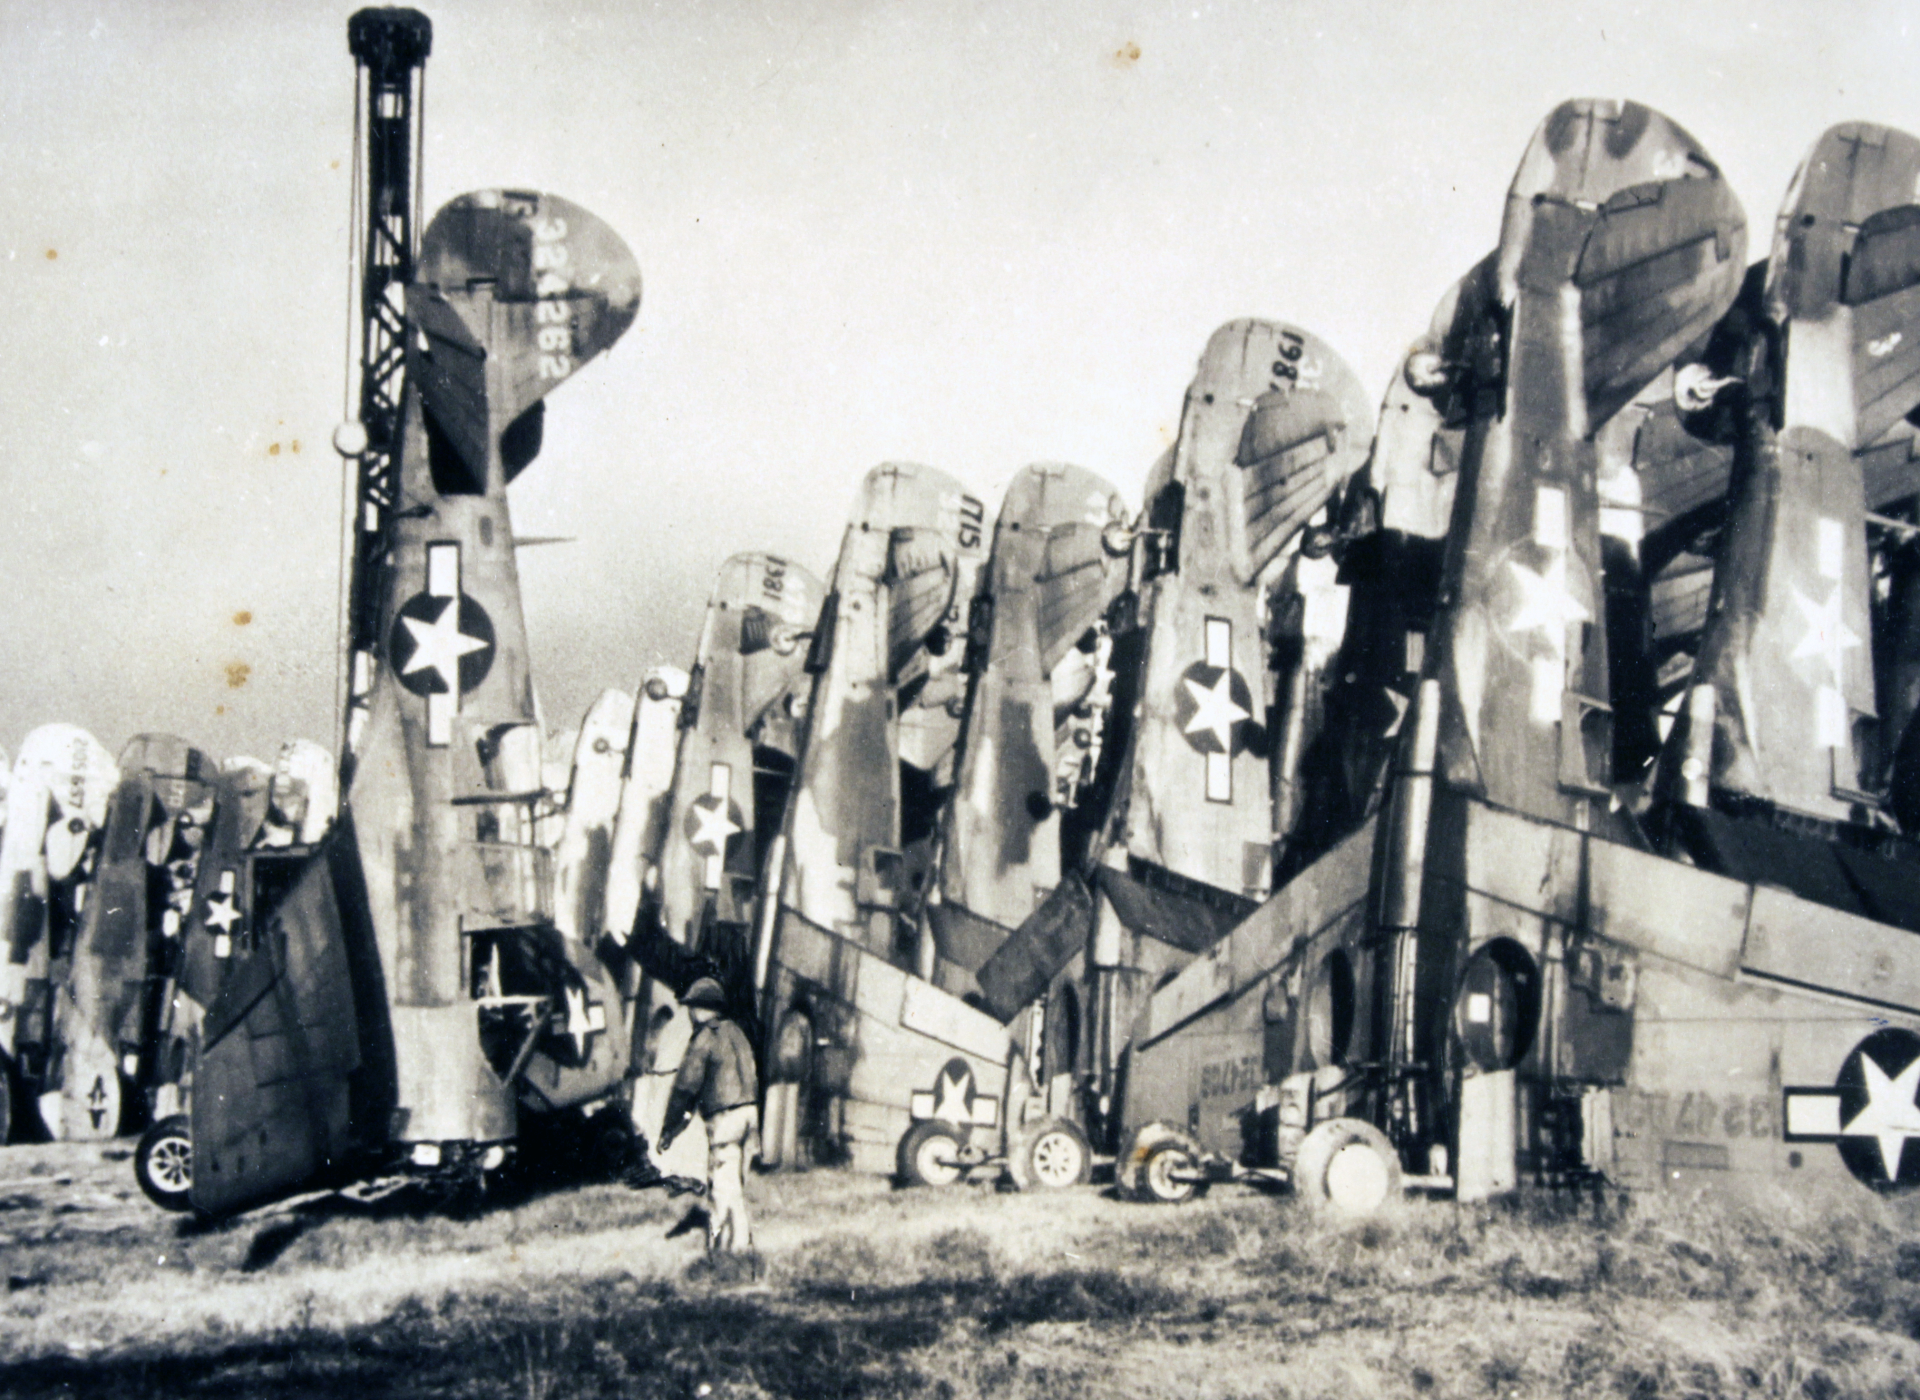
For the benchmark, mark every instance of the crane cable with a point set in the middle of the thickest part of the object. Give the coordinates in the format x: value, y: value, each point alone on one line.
x: 350, y: 468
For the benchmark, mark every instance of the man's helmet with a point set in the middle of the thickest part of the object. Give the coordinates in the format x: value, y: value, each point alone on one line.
x: 705, y: 992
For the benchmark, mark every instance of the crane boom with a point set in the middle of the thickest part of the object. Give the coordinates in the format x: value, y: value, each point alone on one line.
x: 389, y: 48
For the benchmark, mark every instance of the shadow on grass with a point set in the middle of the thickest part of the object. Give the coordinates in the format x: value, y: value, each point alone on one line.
x: 615, y: 1337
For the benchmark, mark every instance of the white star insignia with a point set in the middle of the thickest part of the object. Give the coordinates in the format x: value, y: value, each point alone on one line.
x: 950, y: 1099
x: 221, y: 912
x: 440, y: 644
x: 1215, y: 709
x: 1890, y: 1116
x: 1545, y: 603
x: 1828, y: 635
x: 713, y: 824
x: 1400, y: 703
x: 580, y: 1020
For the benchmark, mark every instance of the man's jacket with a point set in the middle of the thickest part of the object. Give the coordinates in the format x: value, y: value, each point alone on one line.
x: 717, y: 1073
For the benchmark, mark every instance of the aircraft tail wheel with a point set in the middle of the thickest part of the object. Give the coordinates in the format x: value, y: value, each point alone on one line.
x: 1348, y: 1167
x: 930, y: 1154
x: 1167, y: 1174
x: 163, y: 1163
x: 1051, y: 1155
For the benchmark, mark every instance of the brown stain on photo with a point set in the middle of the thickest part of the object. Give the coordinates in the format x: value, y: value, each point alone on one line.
x: 242, y: 618
x: 273, y: 449
x: 52, y: 253
x: 1126, y: 55
x: 237, y: 673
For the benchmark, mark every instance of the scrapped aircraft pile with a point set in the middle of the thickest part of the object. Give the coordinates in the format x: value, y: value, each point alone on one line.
x: 1519, y: 788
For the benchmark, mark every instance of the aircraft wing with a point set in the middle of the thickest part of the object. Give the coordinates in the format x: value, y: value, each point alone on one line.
x: 581, y: 858
x: 274, y: 1083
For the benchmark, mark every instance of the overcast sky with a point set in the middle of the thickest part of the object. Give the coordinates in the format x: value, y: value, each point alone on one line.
x: 971, y: 235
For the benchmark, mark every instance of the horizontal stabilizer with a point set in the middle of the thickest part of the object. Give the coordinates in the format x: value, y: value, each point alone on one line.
x: 1295, y: 450
x: 1882, y: 285
x: 1680, y: 475
x: 1078, y: 572
x: 1185, y: 913
x: 1269, y: 461
x: 963, y: 937
x: 1016, y: 975
x: 1662, y: 262
x: 920, y: 581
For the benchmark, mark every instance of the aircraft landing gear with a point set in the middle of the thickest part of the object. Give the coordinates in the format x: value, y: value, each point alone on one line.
x: 930, y: 1155
x: 1346, y: 1166
x: 163, y: 1163
x: 1163, y: 1166
x: 1052, y: 1154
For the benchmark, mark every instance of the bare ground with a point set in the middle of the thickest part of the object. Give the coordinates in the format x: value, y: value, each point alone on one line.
x: 868, y: 1291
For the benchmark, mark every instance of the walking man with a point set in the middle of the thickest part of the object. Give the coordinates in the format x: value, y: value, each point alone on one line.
x: 717, y: 1080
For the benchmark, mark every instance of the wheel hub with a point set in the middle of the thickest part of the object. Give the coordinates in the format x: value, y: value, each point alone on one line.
x: 171, y: 1164
x: 1056, y: 1159
x: 1357, y: 1180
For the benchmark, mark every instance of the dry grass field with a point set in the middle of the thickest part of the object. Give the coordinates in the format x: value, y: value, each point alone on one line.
x: 867, y: 1291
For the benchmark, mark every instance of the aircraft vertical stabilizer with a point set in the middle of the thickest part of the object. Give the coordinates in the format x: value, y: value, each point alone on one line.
x: 416, y: 991
x: 848, y: 1020
x: 1038, y: 649
x: 107, y: 1015
x: 56, y: 804
x: 1621, y: 245
x: 734, y: 757
x: 1820, y: 367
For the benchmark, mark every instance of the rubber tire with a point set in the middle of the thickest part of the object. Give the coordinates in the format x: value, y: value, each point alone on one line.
x: 1043, y: 1156
x: 919, y: 1158
x: 1155, y: 1186
x: 163, y: 1163
x: 1126, y: 1168
x: 1354, y: 1187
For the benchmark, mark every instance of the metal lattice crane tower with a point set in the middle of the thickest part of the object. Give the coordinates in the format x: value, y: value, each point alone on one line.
x: 389, y: 48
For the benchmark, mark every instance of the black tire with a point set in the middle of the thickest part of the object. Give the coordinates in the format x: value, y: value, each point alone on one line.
x: 163, y: 1163
x: 929, y: 1155
x: 6, y: 1101
x: 1050, y: 1155
x: 1346, y: 1167
x: 1157, y: 1184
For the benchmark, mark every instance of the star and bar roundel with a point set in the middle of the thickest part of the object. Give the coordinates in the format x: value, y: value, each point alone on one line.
x: 1871, y: 1114
x: 442, y: 643
x: 954, y: 1099
x: 712, y: 819
x: 1213, y: 705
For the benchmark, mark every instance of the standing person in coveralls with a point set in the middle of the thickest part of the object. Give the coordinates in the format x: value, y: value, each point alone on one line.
x: 718, y: 1080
